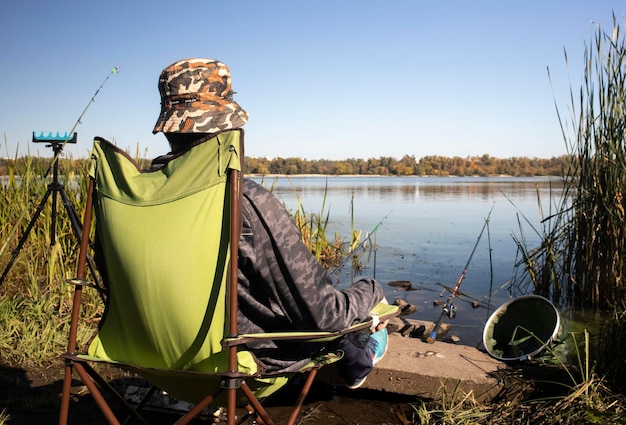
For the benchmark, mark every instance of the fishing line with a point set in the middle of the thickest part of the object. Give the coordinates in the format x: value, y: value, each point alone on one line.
x: 114, y: 70
x: 68, y: 136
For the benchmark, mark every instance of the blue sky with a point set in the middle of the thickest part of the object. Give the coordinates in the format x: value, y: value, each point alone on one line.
x: 323, y: 79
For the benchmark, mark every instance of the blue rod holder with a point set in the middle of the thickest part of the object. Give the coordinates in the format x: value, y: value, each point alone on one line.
x: 43, y: 138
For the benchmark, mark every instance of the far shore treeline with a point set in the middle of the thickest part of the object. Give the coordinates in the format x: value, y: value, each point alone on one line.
x: 408, y: 165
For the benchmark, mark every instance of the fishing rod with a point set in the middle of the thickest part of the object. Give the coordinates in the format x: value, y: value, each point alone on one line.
x: 58, y: 149
x: 369, y: 235
x: 114, y: 70
x: 473, y: 301
x: 449, y: 309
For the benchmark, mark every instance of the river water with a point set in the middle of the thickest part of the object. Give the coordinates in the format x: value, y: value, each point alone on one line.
x: 427, y: 230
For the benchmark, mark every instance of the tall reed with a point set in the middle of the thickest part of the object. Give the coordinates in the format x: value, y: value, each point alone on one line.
x: 35, y: 298
x: 330, y: 252
x: 582, y: 257
x: 595, y: 251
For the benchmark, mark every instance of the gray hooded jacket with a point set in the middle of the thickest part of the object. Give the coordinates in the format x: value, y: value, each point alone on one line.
x: 283, y: 288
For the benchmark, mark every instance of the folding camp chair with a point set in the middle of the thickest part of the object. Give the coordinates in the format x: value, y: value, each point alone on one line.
x: 166, y: 245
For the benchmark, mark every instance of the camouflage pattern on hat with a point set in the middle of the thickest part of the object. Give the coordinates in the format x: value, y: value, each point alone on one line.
x: 196, y: 97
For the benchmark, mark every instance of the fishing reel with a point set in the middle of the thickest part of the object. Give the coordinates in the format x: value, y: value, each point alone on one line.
x: 450, y: 310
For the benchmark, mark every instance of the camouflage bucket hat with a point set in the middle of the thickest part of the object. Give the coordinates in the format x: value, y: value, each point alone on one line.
x: 196, y: 97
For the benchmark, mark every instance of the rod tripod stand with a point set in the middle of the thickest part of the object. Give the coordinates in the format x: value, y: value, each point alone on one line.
x: 54, y: 188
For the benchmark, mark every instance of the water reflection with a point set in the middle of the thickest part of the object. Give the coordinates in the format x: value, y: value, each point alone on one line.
x: 412, y: 188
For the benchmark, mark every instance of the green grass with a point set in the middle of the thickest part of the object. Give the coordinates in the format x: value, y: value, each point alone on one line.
x: 550, y: 392
x: 4, y: 417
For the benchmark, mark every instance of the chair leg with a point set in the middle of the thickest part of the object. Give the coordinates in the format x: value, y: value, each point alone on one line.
x: 93, y: 390
x: 198, y: 408
x: 231, y: 406
x: 245, y: 416
x: 109, y: 389
x: 260, y: 410
x: 97, y: 396
x: 65, y: 395
x: 305, y: 390
x: 142, y: 403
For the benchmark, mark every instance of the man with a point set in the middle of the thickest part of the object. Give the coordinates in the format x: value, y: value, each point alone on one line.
x: 281, y: 285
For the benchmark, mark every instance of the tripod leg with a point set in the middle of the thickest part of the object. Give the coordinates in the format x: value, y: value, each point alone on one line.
x: 53, y: 216
x: 71, y: 212
x: 22, y: 240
